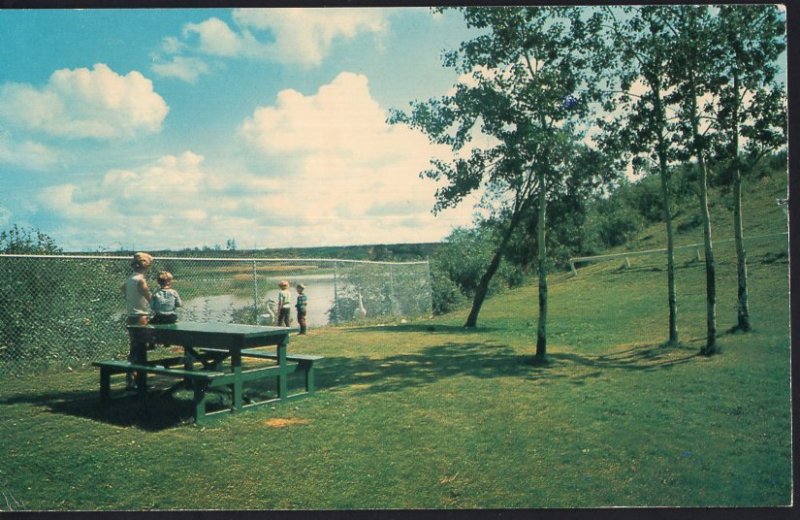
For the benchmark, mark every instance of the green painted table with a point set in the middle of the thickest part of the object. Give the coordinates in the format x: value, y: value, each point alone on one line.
x: 206, y: 346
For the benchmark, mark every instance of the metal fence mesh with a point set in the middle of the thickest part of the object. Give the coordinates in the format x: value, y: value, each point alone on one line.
x: 67, y: 310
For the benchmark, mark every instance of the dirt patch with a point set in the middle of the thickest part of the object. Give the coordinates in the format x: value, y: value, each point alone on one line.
x: 283, y: 423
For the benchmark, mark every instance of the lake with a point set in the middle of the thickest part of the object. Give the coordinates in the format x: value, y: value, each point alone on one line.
x: 319, y: 289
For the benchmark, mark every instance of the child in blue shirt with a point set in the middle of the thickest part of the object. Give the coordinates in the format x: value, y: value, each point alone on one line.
x: 302, y: 300
x: 165, y: 300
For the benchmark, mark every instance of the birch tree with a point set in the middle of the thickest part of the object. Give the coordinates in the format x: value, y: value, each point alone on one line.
x: 749, y: 107
x: 524, y: 71
x: 640, y: 49
x: 695, y: 63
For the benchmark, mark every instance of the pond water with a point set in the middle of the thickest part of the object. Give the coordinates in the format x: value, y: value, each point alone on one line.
x: 319, y: 289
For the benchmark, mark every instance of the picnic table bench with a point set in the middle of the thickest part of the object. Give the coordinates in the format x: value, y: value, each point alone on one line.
x: 206, y: 347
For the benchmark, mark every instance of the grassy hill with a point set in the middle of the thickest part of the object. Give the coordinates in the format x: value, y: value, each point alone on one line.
x: 429, y: 415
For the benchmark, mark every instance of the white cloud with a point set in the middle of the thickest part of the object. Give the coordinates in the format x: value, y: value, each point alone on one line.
x: 216, y: 38
x: 331, y: 171
x: 80, y: 103
x: 305, y: 36
x: 187, y: 69
x: 300, y: 36
x: 27, y: 154
x: 341, y: 118
x: 166, y: 202
x: 63, y: 200
x: 361, y: 173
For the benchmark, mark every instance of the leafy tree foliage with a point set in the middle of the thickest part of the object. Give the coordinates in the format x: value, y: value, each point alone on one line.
x: 525, y: 69
x: 749, y: 107
x: 640, y: 50
x: 18, y: 240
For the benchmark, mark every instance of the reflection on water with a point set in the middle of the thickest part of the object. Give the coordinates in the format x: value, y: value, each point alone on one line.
x: 220, y: 308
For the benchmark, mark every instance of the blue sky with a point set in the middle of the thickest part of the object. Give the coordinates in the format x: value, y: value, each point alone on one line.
x: 176, y: 128
x: 173, y: 128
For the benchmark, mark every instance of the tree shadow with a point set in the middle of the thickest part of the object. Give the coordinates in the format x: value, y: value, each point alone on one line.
x: 162, y: 408
x: 425, y: 328
x: 429, y: 365
x: 487, y: 360
x: 639, y: 357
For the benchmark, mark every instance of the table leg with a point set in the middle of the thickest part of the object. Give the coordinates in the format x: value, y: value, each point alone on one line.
x: 283, y: 387
x: 199, y: 401
x: 188, y: 363
x: 236, y: 368
x: 105, y: 384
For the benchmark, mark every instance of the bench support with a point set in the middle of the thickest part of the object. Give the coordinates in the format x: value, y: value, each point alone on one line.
x: 201, y: 380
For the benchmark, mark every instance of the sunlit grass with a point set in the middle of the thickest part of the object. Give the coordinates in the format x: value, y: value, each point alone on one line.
x: 427, y: 414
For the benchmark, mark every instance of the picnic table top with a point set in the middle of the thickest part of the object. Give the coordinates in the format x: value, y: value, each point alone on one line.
x: 236, y: 329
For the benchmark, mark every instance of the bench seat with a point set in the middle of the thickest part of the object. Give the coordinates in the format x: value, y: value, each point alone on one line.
x: 118, y: 366
x: 255, y: 353
x: 305, y: 362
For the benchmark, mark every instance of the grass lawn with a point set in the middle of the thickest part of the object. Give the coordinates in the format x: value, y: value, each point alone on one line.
x: 429, y: 415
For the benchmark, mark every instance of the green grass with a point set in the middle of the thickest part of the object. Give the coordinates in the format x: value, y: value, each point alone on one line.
x: 429, y: 415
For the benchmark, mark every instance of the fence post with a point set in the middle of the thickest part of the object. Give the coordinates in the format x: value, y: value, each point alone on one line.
x: 430, y: 286
x: 255, y: 294
x: 395, y: 309
x: 335, y: 316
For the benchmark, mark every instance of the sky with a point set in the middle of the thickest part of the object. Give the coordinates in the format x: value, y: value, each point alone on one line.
x: 137, y: 129
x: 181, y: 128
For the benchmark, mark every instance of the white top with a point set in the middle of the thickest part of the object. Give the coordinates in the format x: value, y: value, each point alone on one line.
x: 136, y: 302
x: 284, y: 299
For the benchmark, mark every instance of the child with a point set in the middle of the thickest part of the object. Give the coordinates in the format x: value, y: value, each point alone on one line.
x: 302, y: 299
x: 284, y: 304
x: 137, y: 299
x: 165, y: 300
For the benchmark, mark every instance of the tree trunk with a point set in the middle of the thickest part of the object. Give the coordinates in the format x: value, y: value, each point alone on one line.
x: 711, y: 312
x: 483, y: 287
x: 672, y: 297
x: 742, y: 308
x: 541, y: 332
x: 483, y: 284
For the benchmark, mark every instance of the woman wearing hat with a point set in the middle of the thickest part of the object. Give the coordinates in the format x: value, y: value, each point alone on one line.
x: 137, y: 301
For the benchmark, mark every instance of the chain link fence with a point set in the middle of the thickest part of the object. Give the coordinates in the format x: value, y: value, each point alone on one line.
x: 68, y: 310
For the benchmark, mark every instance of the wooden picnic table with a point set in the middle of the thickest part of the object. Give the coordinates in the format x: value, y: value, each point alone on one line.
x: 206, y: 347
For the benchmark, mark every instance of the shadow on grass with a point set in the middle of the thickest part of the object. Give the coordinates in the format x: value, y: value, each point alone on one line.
x: 640, y: 357
x: 485, y: 360
x: 160, y: 409
x: 394, y: 373
x: 426, y: 328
